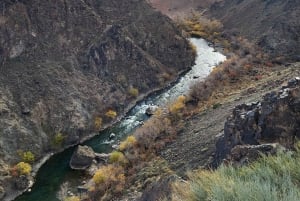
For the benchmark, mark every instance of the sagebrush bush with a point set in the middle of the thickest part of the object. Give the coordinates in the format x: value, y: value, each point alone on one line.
x: 271, y: 178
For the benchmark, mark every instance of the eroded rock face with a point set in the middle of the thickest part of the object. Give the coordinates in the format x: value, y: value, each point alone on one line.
x: 82, y: 158
x: 276, y: 119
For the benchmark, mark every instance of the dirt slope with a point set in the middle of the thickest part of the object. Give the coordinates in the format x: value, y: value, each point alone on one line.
x: 196, y: 143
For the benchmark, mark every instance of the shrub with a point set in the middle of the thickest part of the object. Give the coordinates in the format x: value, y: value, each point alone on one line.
x: 110, y: 178
x: 271, y: 178
x: 23, y: 168
x: 72, y: 198
x: 111, y: 114
x: 178, y: 105
x: 128, y: 143
x: 134, y: 92
x: 27, y: 156
x: 118, y: 158
x: 58, y: 139
x: 98, y: 123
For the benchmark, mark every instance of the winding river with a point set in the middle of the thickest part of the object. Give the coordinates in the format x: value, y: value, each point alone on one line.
x: 56, y: 170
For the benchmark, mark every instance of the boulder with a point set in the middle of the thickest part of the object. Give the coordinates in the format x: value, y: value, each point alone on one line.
x: 82, y: 158
x: 151, y: 110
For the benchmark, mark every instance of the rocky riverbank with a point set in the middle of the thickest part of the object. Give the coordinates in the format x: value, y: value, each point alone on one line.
x: 68, y: 69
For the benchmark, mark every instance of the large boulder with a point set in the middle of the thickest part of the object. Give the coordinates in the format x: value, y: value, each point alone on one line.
x: 82, y: 158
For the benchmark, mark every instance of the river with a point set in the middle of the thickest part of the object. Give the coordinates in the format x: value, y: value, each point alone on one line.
x: 56, y: 170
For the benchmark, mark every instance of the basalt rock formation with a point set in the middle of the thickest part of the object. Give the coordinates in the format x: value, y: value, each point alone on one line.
x: 64, y: 64
x: 276, y: 119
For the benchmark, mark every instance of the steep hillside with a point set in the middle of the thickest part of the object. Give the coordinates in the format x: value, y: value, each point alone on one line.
x: 65, y: 64
x: 273, y: 24
x: 180, y: 8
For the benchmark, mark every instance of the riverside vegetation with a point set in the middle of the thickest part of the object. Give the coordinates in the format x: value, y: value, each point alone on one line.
x: 71, y: 68
x: 137, y: 163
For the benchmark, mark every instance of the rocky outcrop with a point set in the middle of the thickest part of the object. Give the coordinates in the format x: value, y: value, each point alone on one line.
x: 82, y: 158
x: 276, y: 119
x: 244, y: 154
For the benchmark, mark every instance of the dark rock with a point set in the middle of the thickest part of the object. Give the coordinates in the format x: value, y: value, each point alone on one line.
x: 151, y: 110
x: 82, y: 158
x: 244, y: 154
x: 112, y: 136
x: 276, y: 119
x: 22, y: 182
x: 102, y: 157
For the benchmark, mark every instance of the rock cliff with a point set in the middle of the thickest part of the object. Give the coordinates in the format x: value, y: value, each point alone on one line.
x: 65, y: 63
x: 273, y: 120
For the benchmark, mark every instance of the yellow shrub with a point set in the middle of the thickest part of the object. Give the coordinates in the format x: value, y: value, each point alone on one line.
x: 111, y: 114
x: 133, y: 92
x: 98, y: 123
x: 73, y: 198
x: 110, y: 177
x: 23, y: 168
x: 128, y: 143
x: 178, y: 105
x: 118, y: 157
x: 27, y: 156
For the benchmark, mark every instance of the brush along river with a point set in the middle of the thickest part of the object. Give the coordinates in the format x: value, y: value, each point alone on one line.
x: 56, y: 170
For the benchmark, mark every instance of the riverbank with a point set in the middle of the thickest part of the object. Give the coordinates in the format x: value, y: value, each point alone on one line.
x: 36, y: 167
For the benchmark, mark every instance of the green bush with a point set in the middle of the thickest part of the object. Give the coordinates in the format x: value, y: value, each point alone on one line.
x: 273, y: 178
x: 58, y: 139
